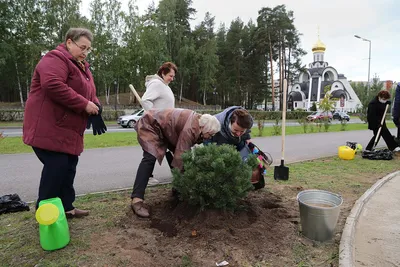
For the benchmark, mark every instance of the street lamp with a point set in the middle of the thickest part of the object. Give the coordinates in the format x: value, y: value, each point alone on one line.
x: 369, y: 59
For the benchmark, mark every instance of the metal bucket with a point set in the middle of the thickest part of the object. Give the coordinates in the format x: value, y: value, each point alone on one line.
x: 319, y: 213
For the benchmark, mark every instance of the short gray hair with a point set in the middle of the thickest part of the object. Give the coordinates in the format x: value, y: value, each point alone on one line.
x: 210, y: 124
x: 75, y: 33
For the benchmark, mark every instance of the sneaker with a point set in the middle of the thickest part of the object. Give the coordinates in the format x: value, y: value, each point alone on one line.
x: 153, y: 181
x: 397, y: 149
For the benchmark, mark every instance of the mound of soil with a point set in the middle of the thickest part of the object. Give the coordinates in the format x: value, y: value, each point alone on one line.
x: 262, y: 230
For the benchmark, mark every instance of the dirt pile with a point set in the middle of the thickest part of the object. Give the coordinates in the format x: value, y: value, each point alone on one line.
x: 262, y: 230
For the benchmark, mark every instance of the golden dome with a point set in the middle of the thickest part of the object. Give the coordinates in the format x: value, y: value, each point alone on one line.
x: 319, y: 46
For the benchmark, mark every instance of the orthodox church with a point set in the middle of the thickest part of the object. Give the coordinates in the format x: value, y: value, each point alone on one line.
x: 318, y: 79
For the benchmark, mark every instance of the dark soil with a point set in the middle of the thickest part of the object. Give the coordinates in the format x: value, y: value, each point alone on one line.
x: 262, y: 230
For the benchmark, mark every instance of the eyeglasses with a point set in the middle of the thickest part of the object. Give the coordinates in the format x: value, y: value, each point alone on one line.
x: 83, y: 48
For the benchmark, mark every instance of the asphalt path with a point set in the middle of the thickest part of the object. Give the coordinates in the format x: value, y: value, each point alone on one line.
x: 104, y: 169
x: 17, y: 131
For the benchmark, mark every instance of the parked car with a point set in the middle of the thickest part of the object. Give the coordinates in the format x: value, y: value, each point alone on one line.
x: 340, y: 115
x: 130, y: 120
x: 320, y: 115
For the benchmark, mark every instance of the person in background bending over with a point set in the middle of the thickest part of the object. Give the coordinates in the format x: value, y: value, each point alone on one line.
x: 159, y: 129
x: 376, y: 110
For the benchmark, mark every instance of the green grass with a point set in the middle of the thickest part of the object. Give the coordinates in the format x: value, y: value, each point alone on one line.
x: 13, y: 145
x: 19, y: 123
x: 19, y: 242
x: 312, y: 128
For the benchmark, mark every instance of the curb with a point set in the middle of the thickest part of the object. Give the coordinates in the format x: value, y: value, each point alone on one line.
x: 346, y: 247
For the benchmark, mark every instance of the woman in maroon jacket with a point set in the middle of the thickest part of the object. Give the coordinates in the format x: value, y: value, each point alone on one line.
x: 61, y: 99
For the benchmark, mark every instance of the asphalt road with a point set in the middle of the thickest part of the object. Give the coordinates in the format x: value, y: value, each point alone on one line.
x: 17, y: 131
x: 104, y: 169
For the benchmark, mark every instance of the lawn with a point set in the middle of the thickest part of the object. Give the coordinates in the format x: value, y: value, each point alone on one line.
x: 113, y: 236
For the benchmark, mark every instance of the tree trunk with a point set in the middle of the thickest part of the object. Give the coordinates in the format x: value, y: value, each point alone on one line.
x: 288, y: 66
x: 107, y: 90
x: 27, y: 88
x: 19, y: 86
x: 272, y: 74
x: 118, y: 94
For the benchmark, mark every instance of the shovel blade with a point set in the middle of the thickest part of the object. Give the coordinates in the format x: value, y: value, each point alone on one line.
x: 281, y: 173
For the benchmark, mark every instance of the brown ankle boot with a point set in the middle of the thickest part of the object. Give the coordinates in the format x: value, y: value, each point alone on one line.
x: 76, y: 213
x: 140, y: 210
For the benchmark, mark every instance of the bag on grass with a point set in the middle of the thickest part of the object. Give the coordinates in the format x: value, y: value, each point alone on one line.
x: 382, y: 154
x: 12, y: 203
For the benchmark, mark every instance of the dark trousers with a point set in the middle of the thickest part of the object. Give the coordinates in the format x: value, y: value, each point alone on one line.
x: 386, y: 135
x: 143, y: 174
x: 58, y: 176
x: 145, y: 171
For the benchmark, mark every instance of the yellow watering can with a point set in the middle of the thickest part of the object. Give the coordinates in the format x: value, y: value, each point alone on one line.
x: 345, y: 152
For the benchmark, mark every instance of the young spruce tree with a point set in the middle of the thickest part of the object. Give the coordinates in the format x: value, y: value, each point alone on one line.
x: 214, y: 177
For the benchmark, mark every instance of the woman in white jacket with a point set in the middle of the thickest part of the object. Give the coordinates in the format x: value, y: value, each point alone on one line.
x: 158, y: 94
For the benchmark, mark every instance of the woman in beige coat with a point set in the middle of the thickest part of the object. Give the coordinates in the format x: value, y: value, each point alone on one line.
x: 174, y: 129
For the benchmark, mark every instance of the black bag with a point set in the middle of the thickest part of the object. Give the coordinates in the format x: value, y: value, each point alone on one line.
x: 382, y: 154
x: 352, y: 145
x: 12, y: 203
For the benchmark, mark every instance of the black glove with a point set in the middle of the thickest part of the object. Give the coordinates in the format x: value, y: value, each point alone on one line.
x: 97, y: 122
x: 388, y: 102
x: 100, y: 108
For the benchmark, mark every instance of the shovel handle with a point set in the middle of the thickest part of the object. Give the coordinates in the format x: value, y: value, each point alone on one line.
x: 135, y: 94
x: 380, y: 128
x: 284, y: 117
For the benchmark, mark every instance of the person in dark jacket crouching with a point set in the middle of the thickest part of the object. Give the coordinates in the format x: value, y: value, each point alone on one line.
x: 376, y: 110
x: 396, y: 112
x: 61, y: 102
x: 236, y: 123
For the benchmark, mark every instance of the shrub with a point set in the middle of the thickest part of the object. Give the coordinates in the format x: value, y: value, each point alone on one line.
x: 214, y: 177
x: 313, y: 107
x: 343, y: 125
x: 327, y: 124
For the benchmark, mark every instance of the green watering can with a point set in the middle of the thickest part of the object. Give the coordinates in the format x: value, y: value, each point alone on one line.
x: 53, y: 225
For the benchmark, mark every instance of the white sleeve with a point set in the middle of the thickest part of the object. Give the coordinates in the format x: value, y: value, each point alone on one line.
x: 151, y: 94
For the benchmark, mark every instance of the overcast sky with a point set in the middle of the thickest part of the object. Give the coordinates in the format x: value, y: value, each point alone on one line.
x: 338, y: 21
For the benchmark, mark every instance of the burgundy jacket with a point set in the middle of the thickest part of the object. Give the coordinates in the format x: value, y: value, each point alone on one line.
x: 55, y: 117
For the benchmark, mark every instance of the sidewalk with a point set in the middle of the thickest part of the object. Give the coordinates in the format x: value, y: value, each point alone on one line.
x: 371, y: 236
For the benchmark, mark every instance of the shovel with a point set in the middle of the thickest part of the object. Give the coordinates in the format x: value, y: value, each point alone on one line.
x: 282, y: 172
x: 380, y: 128
x: 136, y: 94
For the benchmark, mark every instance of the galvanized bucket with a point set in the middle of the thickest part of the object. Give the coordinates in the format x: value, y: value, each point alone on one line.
x: 319, y: 213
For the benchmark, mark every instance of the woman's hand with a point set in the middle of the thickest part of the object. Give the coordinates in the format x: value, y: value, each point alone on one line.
x: 92, y: 108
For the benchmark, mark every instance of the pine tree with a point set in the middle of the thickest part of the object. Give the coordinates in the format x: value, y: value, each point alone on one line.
x: 214, y: 177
